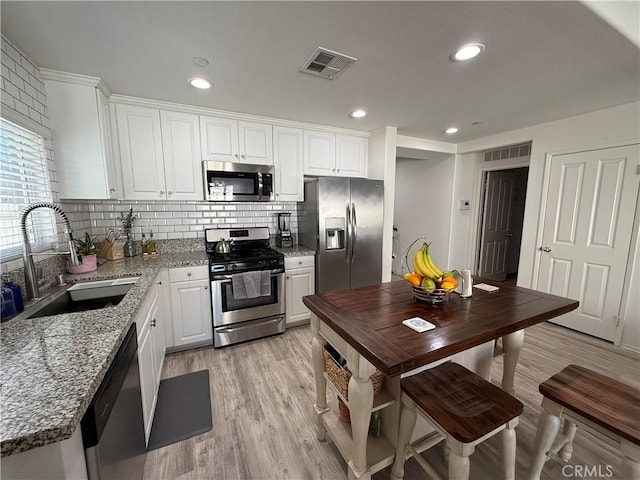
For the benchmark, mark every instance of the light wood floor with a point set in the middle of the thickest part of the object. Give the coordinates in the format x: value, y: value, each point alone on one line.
x: 262, y: 395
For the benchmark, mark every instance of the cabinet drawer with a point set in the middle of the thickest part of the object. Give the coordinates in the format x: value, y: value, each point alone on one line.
x: 298, y: 262
x: 184, y: 274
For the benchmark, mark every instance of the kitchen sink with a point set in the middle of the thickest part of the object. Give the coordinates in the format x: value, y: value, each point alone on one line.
x: 80, y: 297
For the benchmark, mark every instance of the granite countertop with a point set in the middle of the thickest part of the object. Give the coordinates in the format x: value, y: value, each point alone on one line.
x: 295, y: 251
x: 51, y: 367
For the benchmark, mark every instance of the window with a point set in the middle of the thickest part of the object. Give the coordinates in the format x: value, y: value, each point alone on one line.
x: 24, y: 179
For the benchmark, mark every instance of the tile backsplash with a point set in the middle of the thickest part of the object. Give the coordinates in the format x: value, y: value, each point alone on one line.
x: 171, y: 220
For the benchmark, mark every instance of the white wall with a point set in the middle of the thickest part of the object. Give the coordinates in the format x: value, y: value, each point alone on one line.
x: 597, y: 129
x: 423, y: 205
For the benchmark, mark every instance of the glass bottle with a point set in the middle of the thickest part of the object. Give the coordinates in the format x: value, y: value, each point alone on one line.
x: 144, y: 246
x: 129, y: 247
x: 152, y: 244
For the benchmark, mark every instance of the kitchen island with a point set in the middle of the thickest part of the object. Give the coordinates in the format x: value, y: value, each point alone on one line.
x: 365, y: 326
x: 51, y: 367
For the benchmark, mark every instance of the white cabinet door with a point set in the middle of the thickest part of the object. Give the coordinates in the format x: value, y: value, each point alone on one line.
x: 219, y: 139
x: 147, y: 377
x: 181, y: 154
x: 255, y: 143
x: 299, y: 281
x: 319, y: 153
x: 81, y: 141
x: 140, y: 141
x: 351, y: 156
x: 191, y: 309
x: 287, y: 160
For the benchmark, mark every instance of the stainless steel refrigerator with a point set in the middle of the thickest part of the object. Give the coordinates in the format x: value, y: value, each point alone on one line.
x: 341, y: 218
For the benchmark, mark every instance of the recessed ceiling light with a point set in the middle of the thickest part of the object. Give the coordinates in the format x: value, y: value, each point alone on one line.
x: 201, y: 61
x: 467, y: 52
x: 201, y: 83
x: 358, y: 113
x: 451, y: 130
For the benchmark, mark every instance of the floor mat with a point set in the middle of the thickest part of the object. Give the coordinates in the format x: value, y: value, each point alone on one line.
x: 183, y: 410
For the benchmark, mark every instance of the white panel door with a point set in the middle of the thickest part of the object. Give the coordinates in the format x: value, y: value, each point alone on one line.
x: 140, y: 141
x: 299, y: 282
x: 191, y: 309
x: 219, y: 139
x: 588, y: 224
x: 182, y: 161
x: 351, y: 156
x: 255, y: 143
x: 287, y: 160
x: 319, y: 153
x: 496, y: 225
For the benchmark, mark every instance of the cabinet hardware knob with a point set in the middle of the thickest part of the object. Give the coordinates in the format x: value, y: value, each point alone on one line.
x: 160, y: 282
x: 112, y: 190
x: 544, y: 249
x: 333, y: 169
x: 170, y: 192
x: 236, y: 155
x: 153, y: 322
x: 161, y: 192
x: 242, y: 156
x: 277, y: 194
x: 188, y: 274
x: 206, y: 287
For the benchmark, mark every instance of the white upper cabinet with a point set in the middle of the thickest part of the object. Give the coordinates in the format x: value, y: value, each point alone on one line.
x: 229, y: 140
x: 328, y: 154
x: 181, y: 153
x: 351, y: 156
x: 140, y: 140
x: 159, y: 153
x: 79, y: 119
x: 287, y: 161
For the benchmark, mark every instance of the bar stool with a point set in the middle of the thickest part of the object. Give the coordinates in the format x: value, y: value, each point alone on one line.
x: 607, y: 408
x: 464, y: 409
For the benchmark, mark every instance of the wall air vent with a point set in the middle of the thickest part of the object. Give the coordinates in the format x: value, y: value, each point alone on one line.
x: 327, y: 63
x: 505, y: 153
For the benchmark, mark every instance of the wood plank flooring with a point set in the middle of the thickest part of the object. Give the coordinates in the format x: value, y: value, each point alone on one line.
x: 262, y: 395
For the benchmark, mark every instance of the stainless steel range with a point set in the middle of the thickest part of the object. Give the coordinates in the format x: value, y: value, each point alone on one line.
x: 247, y: 285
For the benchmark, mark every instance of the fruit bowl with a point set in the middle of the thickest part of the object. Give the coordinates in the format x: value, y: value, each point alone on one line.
x: 426, y: 288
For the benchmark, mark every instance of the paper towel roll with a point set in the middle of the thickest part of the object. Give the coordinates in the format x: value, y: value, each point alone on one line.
x: 465, y: 283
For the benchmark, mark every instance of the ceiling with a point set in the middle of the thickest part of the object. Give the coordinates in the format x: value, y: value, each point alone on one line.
x: 543, y: 60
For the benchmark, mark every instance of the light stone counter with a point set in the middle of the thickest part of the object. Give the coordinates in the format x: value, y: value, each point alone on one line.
x: 295, y: 251
x: 51, y: 367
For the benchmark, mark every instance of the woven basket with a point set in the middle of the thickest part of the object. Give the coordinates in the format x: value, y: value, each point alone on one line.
x: 340, y: 377
x: 439, y: 295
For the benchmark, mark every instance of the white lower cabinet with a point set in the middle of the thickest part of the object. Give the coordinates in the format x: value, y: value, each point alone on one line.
x: 299, y: 281
x: 191, y: 306
x: 151, y: 349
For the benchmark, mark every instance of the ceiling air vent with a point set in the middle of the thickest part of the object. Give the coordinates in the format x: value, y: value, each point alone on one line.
x: 327, y: 63
x: 505, y: 153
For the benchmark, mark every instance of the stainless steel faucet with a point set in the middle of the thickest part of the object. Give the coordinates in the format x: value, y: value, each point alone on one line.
x: 31, y: 280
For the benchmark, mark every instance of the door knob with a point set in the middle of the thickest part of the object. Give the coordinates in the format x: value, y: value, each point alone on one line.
x: 544, y: 249
x: 206, y: 287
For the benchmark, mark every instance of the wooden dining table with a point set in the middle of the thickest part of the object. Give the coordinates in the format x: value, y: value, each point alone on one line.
x: 365, y: 326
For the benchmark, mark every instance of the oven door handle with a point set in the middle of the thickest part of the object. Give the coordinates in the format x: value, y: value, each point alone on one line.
x: 229, y: 277
x: 235, y: 329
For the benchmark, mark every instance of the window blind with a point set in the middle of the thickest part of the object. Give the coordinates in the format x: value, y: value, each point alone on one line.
x: 24, y: 179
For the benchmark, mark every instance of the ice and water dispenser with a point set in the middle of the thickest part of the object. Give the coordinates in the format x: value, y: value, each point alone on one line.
x: 334, y: 230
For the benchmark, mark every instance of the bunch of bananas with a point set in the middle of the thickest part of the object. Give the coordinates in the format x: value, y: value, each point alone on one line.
x: 427, y: 275
x: 424, y: 266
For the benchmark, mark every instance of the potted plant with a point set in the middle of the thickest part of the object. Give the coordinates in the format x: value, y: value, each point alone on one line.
x: 86, y: 249
x: 127, y: 224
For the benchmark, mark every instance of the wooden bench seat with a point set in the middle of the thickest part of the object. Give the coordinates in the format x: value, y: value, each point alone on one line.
x: 608, y: 408
x: 465, y: 409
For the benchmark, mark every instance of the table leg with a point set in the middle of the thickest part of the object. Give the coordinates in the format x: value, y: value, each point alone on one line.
x: 360, y: 405
x: 511, y: 344
x: 320, y: 407
x: 548, y: 427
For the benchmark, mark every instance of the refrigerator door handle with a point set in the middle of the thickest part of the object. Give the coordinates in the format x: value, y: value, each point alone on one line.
x: 354, y: 231
x: 347, y: 247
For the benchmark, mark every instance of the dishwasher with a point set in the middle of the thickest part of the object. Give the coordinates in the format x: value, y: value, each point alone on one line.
x: 113, y: 427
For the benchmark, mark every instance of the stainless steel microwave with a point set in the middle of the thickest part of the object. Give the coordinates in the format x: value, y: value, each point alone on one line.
x: 237, y: 182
